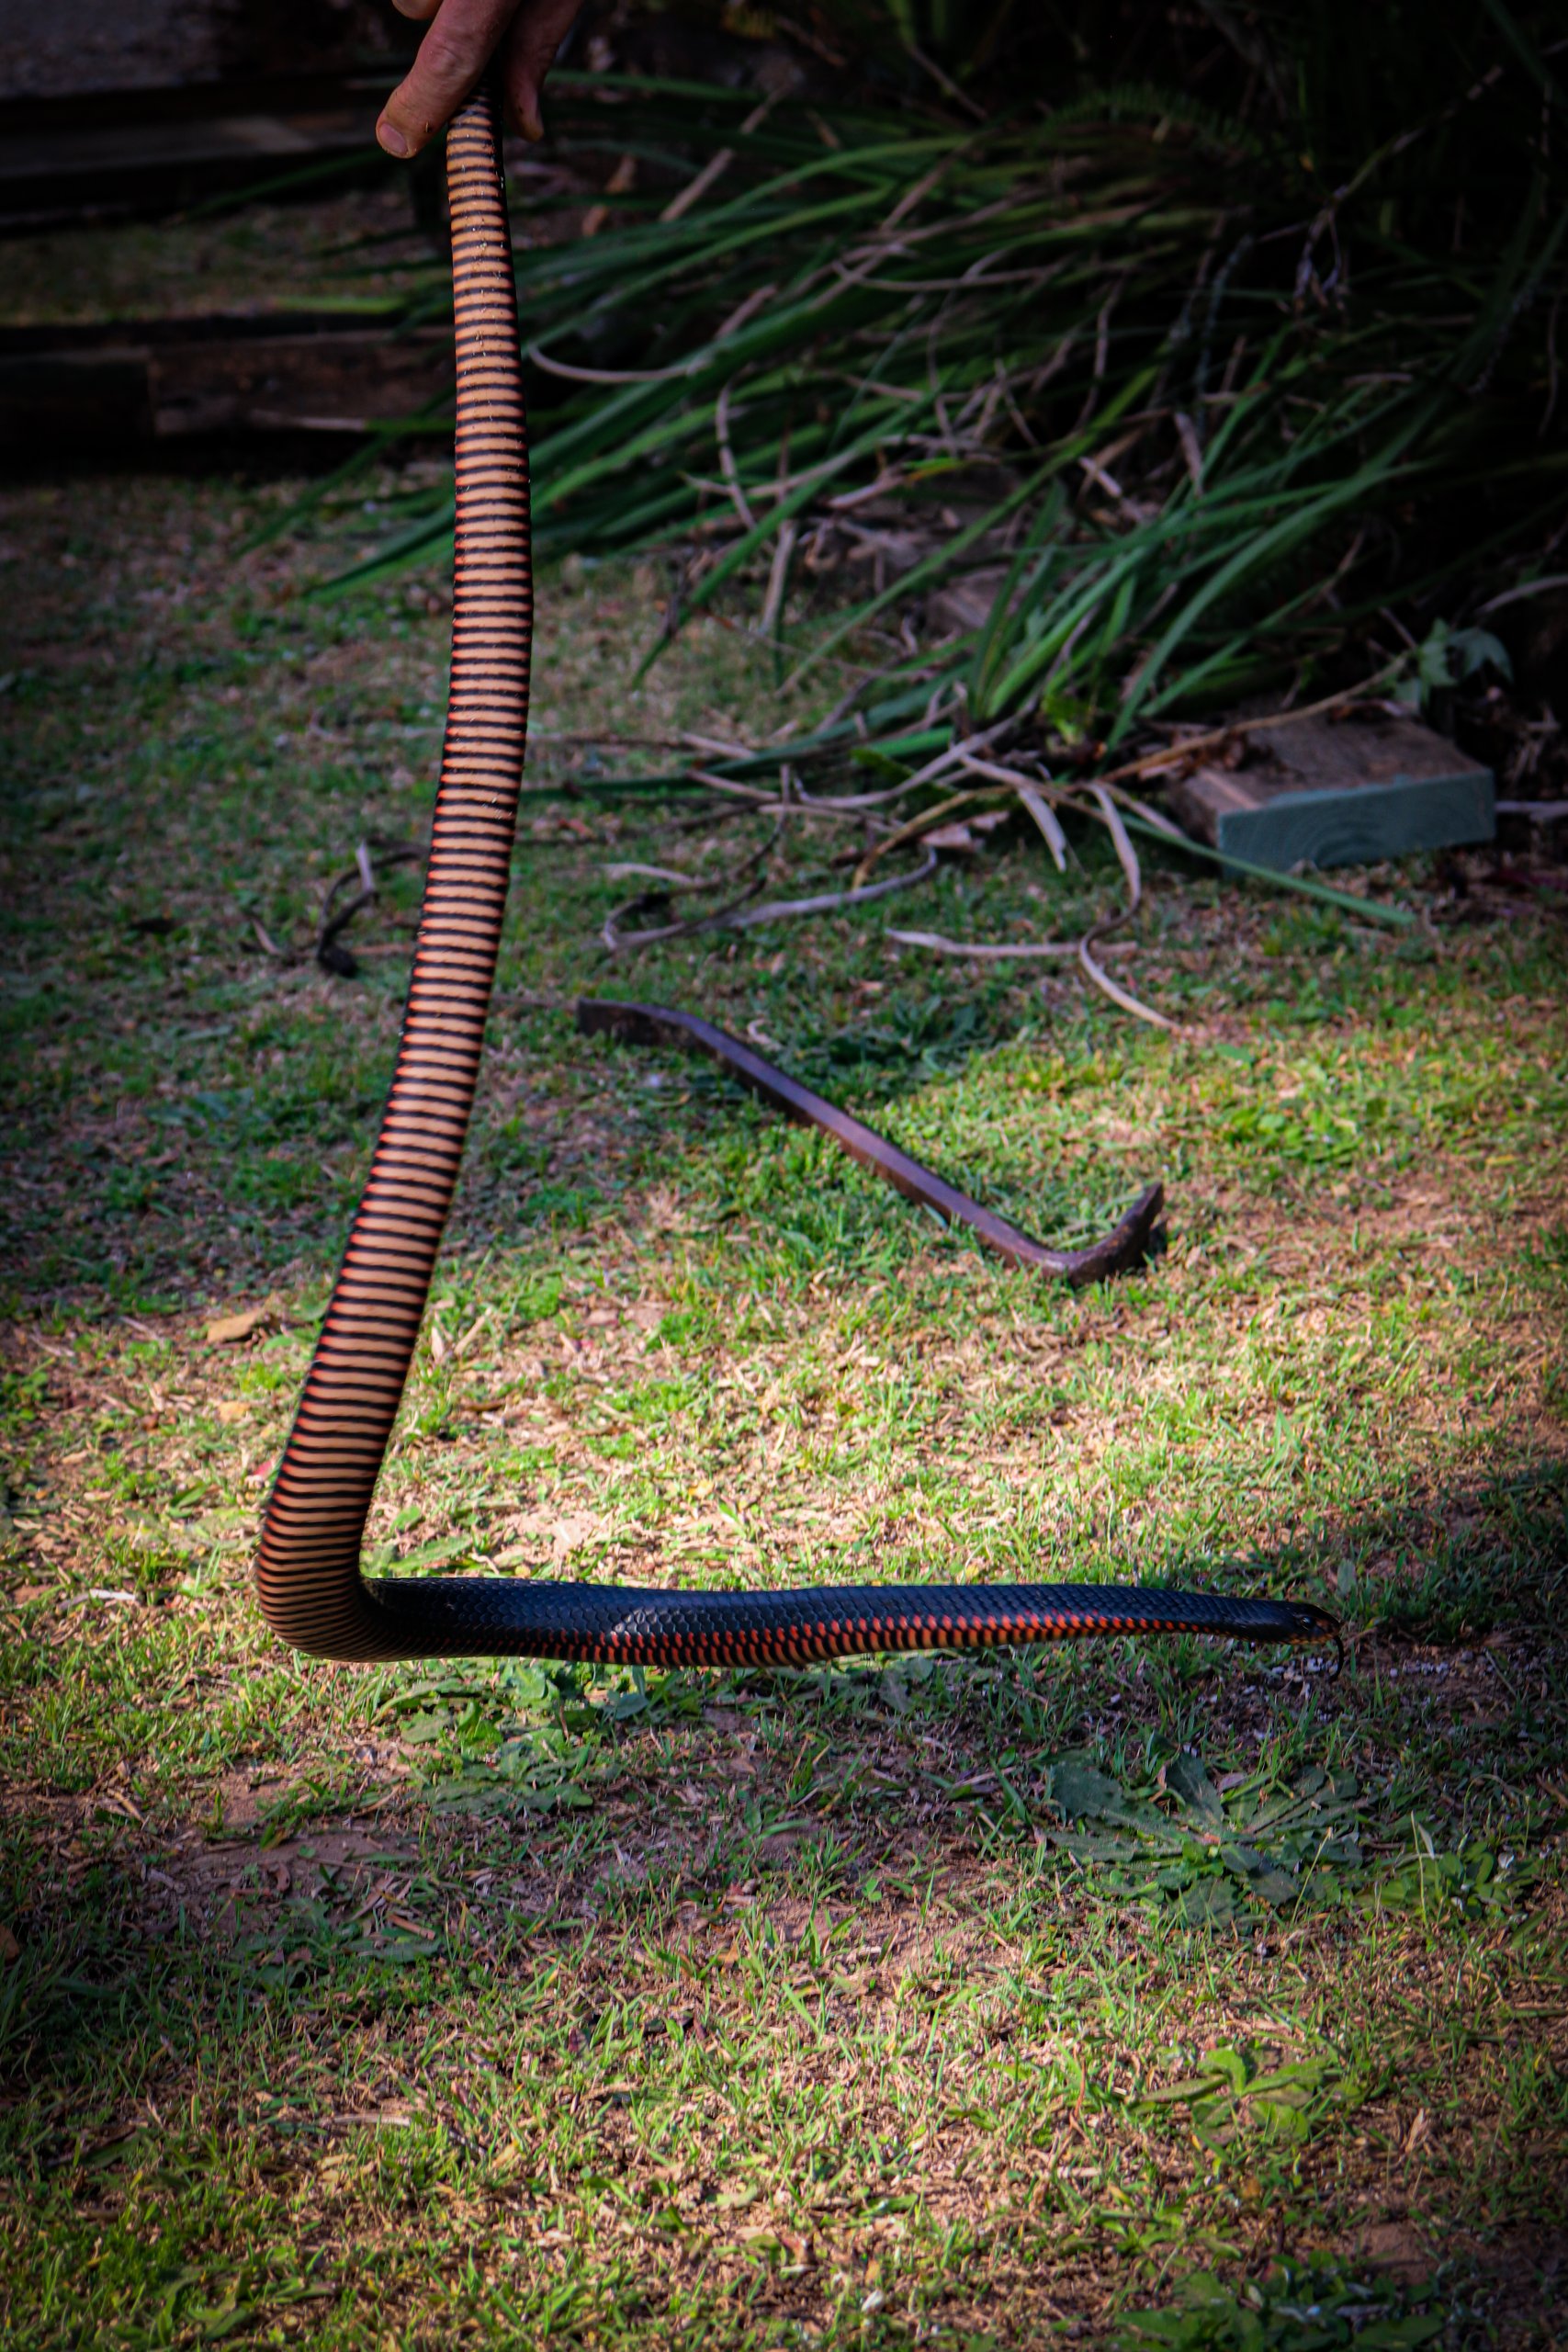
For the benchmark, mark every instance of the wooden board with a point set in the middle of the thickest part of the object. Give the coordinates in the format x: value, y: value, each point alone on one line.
x: 1337, y: 792
x: 163, y: 380
x: 136, y: 150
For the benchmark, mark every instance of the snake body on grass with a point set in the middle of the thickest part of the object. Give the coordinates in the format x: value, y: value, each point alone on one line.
x: 308, y: 1574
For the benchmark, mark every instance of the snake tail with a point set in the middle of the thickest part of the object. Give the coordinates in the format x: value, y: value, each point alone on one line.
x: 309, y: 1580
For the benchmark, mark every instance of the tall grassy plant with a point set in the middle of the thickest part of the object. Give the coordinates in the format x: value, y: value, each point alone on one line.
x: 1231, y: 380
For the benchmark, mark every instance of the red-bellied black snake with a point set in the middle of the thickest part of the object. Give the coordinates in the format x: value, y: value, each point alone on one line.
x: 308, y: 1575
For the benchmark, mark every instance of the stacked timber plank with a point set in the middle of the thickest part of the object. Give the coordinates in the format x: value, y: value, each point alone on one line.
x: 111, y: 152
x: 126, y: 384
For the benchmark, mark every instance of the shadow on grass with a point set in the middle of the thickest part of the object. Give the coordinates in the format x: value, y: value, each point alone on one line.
x: 1221, y: 1790
x: 1237, y: 1931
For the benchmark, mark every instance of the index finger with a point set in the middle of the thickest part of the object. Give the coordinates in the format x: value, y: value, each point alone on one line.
x: 451, y: 61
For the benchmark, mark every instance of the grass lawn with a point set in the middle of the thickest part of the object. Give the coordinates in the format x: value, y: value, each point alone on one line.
x: 962, y: 2002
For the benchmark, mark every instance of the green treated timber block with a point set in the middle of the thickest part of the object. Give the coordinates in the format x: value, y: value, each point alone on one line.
x: 1324, y: 793
x: 1360, y: 827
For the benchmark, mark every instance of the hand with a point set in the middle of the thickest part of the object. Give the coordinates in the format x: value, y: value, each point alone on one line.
x: 464, y: 36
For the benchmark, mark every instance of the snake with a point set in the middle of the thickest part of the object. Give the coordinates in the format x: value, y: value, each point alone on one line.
x: 310, y: 1581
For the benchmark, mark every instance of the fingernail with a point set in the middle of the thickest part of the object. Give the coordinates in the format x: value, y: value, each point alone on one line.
x: 391, y: 139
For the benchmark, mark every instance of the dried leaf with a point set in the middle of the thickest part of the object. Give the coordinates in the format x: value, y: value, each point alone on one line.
x: 1124, y: 850
x: 230, y: 1327
x: 1046, y: 818
x: 994, y: 952
x: 1118, y: 995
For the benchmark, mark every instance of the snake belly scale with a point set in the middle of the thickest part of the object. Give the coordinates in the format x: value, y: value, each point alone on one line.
x: 308, y: 1574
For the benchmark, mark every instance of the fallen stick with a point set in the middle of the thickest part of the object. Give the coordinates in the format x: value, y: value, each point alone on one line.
x: 776, y: 910
x: 653, y: 1024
